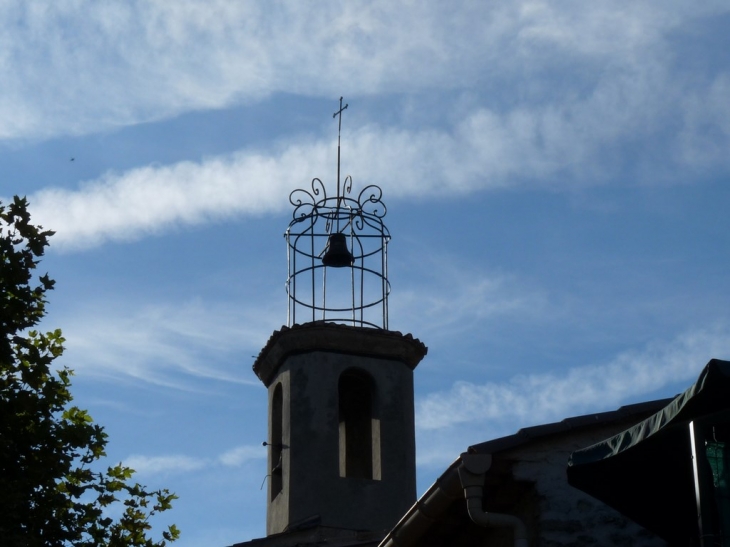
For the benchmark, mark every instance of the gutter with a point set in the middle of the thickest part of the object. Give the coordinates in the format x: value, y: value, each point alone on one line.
x: 472, y: 473
x: 465, y: 477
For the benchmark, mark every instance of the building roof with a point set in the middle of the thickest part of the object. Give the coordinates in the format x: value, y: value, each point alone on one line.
x: 647, y: 471
x: 310, y: 533
x: 441, y: 512
x: 529, y: 434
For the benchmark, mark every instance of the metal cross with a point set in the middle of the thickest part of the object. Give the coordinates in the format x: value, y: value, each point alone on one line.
x: 339, y: 112
x: 339, y: 131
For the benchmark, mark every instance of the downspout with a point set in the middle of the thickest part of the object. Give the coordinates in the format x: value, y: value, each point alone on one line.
x: 463, y: 477
x: 472, y: 473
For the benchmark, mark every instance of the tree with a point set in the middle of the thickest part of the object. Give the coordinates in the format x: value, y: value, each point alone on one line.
x: 54, y: 492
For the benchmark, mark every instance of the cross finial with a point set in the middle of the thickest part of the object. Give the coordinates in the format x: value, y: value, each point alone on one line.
x: 339, y: 112
x: 339, y: 131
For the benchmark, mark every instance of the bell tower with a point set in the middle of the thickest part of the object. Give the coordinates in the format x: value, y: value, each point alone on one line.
x: 340, y: 384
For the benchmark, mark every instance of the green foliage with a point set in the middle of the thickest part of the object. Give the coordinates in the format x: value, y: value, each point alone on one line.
x: 50, y: 493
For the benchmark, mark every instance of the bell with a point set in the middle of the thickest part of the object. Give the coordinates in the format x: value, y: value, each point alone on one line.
x: 337, y: 255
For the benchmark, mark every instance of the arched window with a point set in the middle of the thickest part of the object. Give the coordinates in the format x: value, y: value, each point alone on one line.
x: 277, y: 416
x: 359, y: 426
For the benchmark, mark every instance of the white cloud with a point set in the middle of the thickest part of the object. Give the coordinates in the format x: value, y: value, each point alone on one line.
x: 561, y: 146
x: 154, y: 465
x: 167, y: 345
x: 556, y: 93
x: 80, y: 66
x: 149, y: 199
x: 704, y: 136
x: 242, y: 454
x: 448, y: 297
x: 540, y: 398
x: 179, y: 463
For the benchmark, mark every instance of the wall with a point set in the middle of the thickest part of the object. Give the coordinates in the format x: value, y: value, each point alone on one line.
x: 565, y: 516
x: 311, y: 467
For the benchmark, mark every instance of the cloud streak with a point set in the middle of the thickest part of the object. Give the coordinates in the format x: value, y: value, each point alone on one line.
x: 147, y: 200
x: 539, y: 95
x: 241, y: 454
x: 448, y: 298
x: 560, y: 148
x: 173, y: 346
x: 79, y: 67
x: 161, y: 465
x: 540, y: 398
x: 180, y: 463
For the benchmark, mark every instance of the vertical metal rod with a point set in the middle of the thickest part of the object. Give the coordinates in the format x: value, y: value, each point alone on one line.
x: 339, y: 132
x: 352, y: 278
x: 288, y: 281
x: 324, y: 293
x: 696, y: 475
x: 362, y: 294
x: 311, y: 254
x: 384, y: 281
x: 703, y: 481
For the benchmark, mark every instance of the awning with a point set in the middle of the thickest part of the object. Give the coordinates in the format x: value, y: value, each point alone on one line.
x: 646, y: 472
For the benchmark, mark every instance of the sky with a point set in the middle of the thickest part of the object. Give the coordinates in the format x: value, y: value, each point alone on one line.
x: 556, y: 176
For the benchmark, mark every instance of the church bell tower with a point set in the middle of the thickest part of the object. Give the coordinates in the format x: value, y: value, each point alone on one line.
x: 340, y: 384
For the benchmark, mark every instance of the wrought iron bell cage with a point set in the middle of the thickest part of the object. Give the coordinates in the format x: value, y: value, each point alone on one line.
x: 329, y: 282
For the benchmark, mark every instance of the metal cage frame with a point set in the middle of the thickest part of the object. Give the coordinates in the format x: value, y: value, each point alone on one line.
x: 316, y: 217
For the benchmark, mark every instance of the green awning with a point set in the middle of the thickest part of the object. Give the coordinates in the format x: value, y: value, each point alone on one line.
x: 646, y: 472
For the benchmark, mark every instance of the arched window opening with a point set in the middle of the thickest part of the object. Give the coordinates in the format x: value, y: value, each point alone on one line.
x: 359, y: 426
x: 277, y: 416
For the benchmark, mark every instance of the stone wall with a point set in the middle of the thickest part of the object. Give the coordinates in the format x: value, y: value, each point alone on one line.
x: 566, y: 516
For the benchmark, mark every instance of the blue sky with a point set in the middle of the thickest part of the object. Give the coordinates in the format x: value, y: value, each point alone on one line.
x: 556, y: 176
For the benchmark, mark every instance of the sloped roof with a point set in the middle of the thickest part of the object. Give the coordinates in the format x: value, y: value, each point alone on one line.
x: 441, y: 512
x: 533, y: 433
x: 646, y: 472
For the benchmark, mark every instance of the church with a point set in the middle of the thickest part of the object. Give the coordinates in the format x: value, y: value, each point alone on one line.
x: 341, y: 432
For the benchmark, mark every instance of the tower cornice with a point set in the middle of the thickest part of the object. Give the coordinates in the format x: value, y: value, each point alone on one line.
x: 337, y: 338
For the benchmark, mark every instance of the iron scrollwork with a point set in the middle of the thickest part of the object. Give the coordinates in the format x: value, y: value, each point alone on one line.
x: 316, y: 217
x: 316, y: 203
